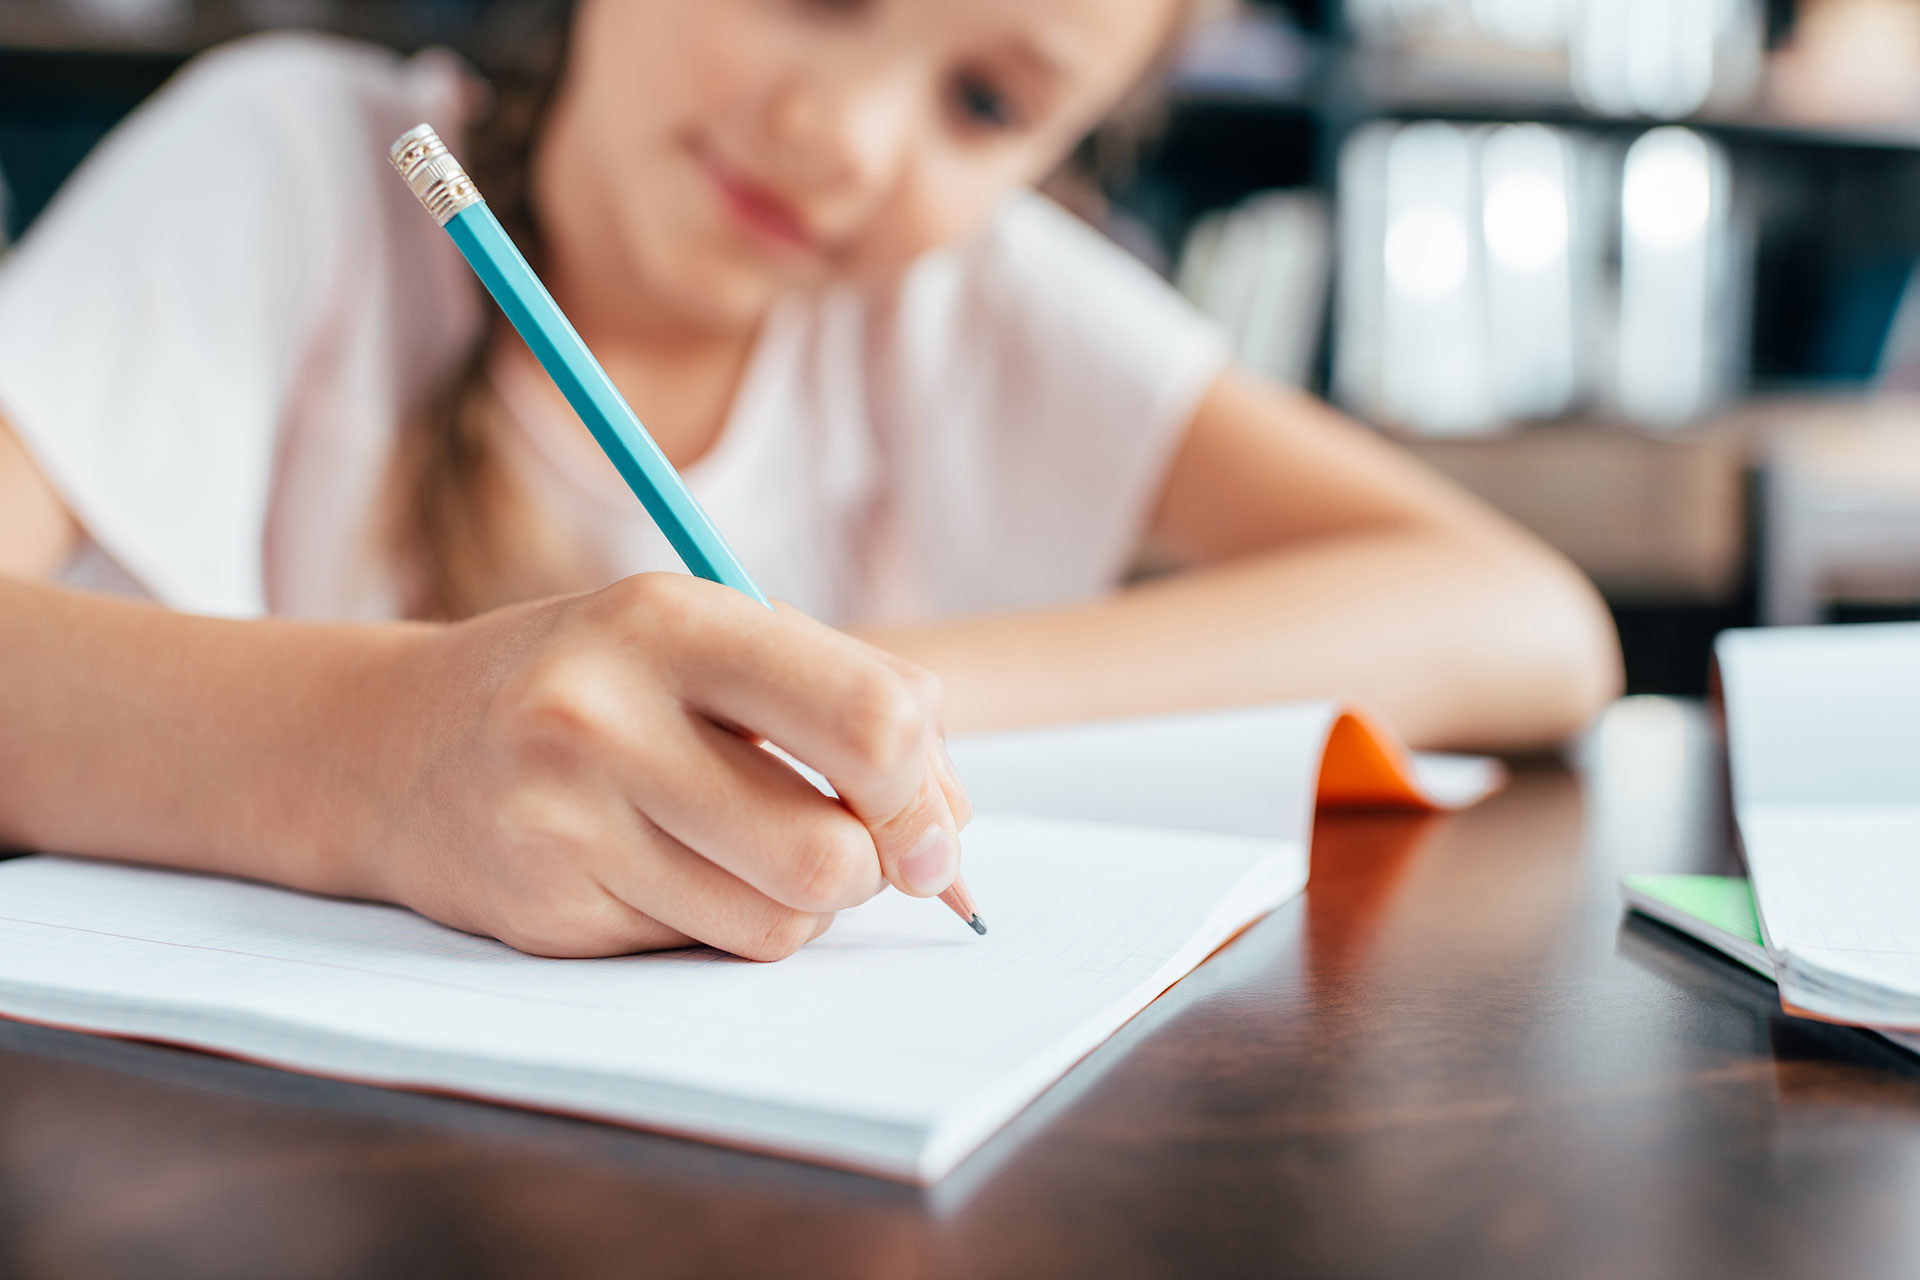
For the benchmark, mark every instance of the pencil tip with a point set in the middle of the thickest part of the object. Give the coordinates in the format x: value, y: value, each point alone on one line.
x: 976, y: 924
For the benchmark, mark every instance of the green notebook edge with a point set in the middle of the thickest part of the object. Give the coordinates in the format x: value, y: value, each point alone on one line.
x: 1725, y: 902
x: 1716, y: 910
x: 1719, y: 912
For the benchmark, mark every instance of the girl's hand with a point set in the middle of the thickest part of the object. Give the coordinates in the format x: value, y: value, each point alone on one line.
x: 585, y: 776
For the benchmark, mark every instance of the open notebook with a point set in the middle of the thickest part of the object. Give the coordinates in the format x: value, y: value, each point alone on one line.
x: 1823, y: 744
x: 895, y: 1044
x: 1719, y: 911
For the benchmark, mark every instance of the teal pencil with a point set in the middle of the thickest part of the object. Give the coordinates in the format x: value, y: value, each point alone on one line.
x: 450, y: 196
x: 439, y: 182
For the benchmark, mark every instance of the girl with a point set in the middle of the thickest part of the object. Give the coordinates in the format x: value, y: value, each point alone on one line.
x: 242, y: 374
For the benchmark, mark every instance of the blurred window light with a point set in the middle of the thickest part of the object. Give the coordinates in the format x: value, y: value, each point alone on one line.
x: 1426, y: 251
x: 1675, y: 308
x: 1667, y: 191
x: 1525, y: 216
x: 1435, y: 374
x: 1670, y: 55
x: 1526, y: 173
x: 1664, y: 58
x: 1360, y: 301
x: 1465, y: 275
x: 1524, y: 24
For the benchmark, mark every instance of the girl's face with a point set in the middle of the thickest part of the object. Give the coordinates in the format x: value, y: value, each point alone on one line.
x: 707, y: 155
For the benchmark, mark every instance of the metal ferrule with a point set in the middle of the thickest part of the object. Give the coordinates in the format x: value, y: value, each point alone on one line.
x: 434, y: 175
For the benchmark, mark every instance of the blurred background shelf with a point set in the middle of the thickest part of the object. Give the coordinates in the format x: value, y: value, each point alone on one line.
x: 1250, y: 193
x: 172, y: 30
x: 1359, y: 86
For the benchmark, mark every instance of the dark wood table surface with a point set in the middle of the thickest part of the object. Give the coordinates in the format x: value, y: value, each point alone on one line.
x: 1451, y: 1058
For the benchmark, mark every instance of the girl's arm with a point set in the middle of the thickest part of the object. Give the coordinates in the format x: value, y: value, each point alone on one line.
x: 570, y: 775
x: 1325, y: 563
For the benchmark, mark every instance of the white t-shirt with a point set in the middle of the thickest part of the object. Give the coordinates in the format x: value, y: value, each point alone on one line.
x: 212, y: 337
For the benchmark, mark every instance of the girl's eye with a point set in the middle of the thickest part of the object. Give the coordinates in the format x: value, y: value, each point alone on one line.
x: 981, y: 103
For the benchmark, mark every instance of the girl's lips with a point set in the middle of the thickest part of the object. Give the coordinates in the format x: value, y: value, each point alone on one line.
x: 760, y: 209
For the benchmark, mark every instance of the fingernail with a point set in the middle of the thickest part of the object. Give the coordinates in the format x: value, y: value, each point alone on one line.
x: 932, y: 863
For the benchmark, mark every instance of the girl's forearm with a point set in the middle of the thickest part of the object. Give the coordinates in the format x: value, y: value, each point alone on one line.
x: 251, y: 748
x: 1457, y: 643
x: 560, y: 775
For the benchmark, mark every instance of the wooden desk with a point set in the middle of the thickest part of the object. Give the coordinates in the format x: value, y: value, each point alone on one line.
x: 1451, y: 1059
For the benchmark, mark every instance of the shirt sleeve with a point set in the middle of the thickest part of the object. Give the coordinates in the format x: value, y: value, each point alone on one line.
x: 1036, y: 388
x: 155, y: 319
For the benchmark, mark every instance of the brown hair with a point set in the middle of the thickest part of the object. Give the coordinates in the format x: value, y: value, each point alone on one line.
x: 458, y: 526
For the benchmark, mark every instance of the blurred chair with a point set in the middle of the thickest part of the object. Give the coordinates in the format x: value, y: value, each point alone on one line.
x: 1261, y: 269
x: 1656, y: 520
x: 1840, y: 508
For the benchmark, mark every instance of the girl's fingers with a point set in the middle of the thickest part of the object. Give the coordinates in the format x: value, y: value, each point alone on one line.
x: 665, y: 880
x: 749, y: 813
x: 926, y: 686
x: 841, y: 709
x: 958, y: 801
x: 932, y: 695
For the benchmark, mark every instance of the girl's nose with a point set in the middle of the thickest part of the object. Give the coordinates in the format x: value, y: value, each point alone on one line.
x: 838, y: 128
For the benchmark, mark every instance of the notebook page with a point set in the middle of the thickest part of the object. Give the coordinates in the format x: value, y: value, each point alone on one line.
x: 1249, y: 771
x: 1823, y: 715
x: 1823, y: 735
x: 896, y: 1028
x: 1839, y: 891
